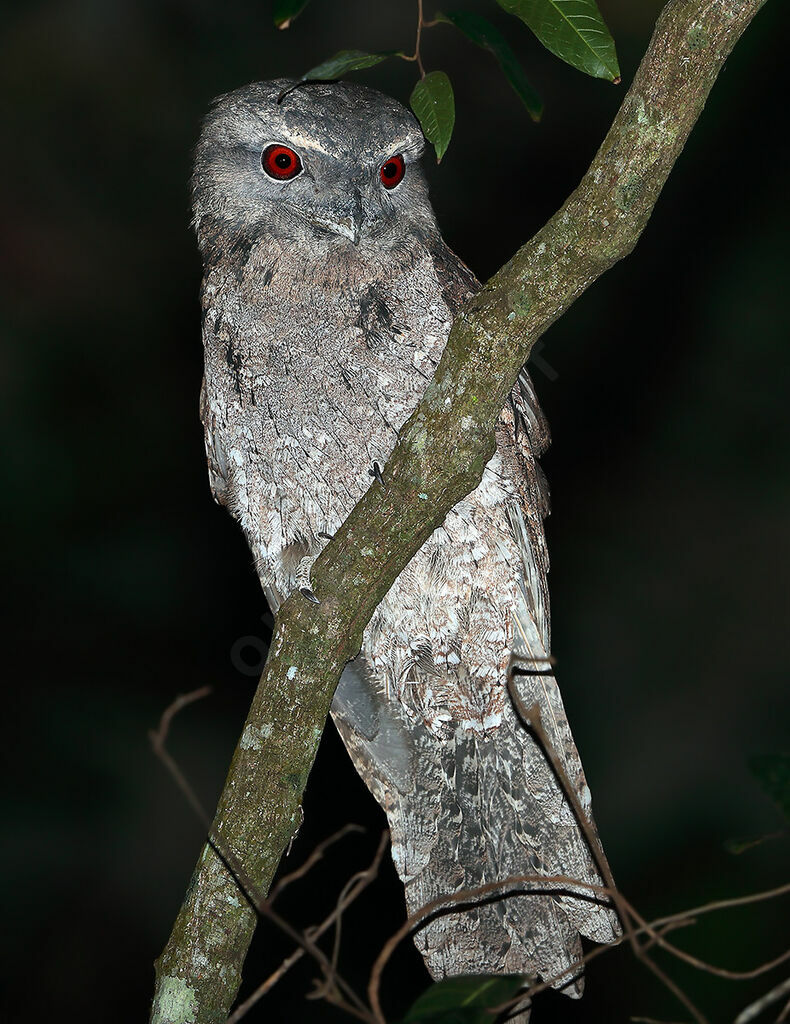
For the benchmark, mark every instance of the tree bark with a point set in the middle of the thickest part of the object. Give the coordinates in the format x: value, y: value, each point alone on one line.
x: 439, y: 458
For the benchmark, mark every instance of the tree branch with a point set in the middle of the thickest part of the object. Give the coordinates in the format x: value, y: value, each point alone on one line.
x: 439, y: 458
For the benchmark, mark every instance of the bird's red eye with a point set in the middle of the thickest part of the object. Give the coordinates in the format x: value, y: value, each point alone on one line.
x: 391, y: 172
x: 280, y: 162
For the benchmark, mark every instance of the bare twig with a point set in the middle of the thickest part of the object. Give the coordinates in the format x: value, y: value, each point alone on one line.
x: 682, y: 919
x: 417, y: 55
x: 334, y: 983
x: 736, y: 901
x: 336, y: 990
x: 446, y: 904
x: 361, y: 881
x: 538, y: 883
x: 649, y: 1020
x: 702, y: 965
x: 354, y: 885
x: 672, y: 926
x: 753, y: 1010
x: 672, y: 986
x: 313, y: 859
x: 532, y: 720
x: 158, y: 738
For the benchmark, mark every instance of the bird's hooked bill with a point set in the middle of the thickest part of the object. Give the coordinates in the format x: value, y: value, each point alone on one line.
x: 346, y: 220
x: 349, y: 227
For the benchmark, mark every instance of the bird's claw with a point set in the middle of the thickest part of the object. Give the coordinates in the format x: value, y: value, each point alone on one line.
x: 303, y: 579
x: 377, y: 474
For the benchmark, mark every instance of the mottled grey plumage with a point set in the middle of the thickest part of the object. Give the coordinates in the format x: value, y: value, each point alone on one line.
x: 327, y: 301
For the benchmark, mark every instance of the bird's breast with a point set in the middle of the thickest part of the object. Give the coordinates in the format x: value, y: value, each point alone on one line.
x: 320, y: 380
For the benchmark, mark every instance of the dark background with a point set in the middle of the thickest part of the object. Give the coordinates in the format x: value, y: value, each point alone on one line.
x: 126, y: 585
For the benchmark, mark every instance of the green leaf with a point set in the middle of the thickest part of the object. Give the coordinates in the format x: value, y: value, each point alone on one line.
x: 433, y: 103
x: 466, y: 999
x: 573, y: 30
x: 772, y: 771
x: 286, y: 10
x: 343, y: 62
x: 481, y: 32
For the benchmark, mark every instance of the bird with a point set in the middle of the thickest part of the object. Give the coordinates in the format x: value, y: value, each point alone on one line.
x: 327, y: 298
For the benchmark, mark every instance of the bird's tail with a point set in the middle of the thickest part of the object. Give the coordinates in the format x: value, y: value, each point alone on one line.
x: 487, y: 808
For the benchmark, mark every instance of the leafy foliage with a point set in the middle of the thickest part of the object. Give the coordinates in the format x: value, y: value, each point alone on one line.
x: 433, y: 102
x: 344, y: 61
x: 466, y: 999
x: 481, y: 32
x: 573, y: 30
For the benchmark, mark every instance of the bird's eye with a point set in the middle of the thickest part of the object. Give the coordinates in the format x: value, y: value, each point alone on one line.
x: 280, y: 162
x: 391, y: 172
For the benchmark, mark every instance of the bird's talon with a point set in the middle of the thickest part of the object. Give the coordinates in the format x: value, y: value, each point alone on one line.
x: 377, y: 474
x: 303, y: 581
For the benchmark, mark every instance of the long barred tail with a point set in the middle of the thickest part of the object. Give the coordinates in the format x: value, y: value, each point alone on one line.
x: 485, y: 808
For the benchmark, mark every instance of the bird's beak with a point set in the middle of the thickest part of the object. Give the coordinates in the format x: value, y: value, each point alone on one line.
x: 345, y: 220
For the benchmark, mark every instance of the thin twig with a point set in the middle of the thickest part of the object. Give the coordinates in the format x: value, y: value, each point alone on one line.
x: 336, y: 990
x: 421, y: 24
x: 345, y: 896
x: 726, y: 904
x: 352, y: 1003
x: 538, y: 883
x: 753, y: 1010
x: 671, y: 927
x: 362, y: 879
x: 313, y: 859
x: 417, y: 54
x: 158, y: 738
x: 649, y: 1020
x: 338, y: 928
x: 673, y: 987
x: 180, y: 702
x: 531, y: 719
x: 702, y: 965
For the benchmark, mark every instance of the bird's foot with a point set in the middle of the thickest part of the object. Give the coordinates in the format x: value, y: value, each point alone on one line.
x: 303, y: 582
x: 376, y: 473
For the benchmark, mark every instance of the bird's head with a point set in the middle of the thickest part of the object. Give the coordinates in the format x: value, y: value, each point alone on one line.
x: 329, y: 165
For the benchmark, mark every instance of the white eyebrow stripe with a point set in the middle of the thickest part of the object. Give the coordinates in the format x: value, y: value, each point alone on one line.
x: 404, y: 146
x: 306, y: 143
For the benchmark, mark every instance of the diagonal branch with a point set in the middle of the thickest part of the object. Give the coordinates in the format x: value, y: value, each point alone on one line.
x: 439, y: 458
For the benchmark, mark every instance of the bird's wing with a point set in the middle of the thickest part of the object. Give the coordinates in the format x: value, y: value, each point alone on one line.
x: 215, y: 454
x: 469, y: 809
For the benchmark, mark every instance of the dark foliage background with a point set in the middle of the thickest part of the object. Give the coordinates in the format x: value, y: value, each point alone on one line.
x: 667, y: 391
